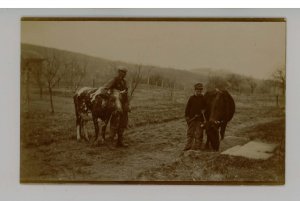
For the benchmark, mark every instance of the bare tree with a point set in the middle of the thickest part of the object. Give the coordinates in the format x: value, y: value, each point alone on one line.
x: 136, y: 80
x: 76, y: 71
x: 215, y: 81
x: 53, y: 74
x: 252, y: 84
x: 279, y: 77
x: 172, y: 89
x: 148, y: 75
x: 29, y: 67
x: 37, y: 72
x: 234, y: 81
x: 26, y: 77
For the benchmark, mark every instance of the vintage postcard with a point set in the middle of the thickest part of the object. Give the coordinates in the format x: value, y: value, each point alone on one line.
x: 153, y: 100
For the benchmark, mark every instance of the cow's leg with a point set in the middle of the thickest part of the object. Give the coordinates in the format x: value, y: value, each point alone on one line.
x: 113, y: 132
x: 96, y: 126
x: 103, y: 129
x: 217, y: 145
x: 121, y: 128
x: 223, y: 128
x: 214, y: 139
x: 79, y: 128
x: 84, y: 130
x: 114, y: 125
x: 120, y: 142
x: 78, y: 131
x: 101, y: 132
x: 207, y: 140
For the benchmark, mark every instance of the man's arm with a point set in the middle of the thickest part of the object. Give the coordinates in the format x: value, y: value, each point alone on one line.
x: 110, y: 84
x: 187, y: 109
x: 125, y: 85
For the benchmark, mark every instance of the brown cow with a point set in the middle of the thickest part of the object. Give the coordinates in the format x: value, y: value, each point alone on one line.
x: 220, y: 108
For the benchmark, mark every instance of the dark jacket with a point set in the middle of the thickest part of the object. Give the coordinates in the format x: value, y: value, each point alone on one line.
x: 119, y: 84
x: 194, y: 107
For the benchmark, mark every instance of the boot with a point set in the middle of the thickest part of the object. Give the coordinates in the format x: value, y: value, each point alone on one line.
x: 197, y: 145
x: 189, y: 144
x: 120, y: 142
x: 110, y: 143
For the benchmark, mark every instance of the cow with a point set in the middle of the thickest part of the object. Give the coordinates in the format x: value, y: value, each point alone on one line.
x: 89, y: 101
x: 220, y: 108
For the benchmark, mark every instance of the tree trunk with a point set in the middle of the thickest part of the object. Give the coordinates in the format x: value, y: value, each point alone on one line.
x: 51, y: 100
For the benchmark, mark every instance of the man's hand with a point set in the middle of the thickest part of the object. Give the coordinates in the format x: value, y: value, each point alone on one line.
x: 187, y: 119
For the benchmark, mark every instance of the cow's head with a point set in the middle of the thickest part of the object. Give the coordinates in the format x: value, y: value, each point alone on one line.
x: 213, y: 125
x: 216, y: 104
x: 212, y: 131
x: 116, y: 99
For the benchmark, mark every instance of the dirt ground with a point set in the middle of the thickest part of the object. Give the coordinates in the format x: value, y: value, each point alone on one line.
x: 156, y: 137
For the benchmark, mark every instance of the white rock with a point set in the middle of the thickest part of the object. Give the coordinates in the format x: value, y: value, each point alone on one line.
x: 252, y: 150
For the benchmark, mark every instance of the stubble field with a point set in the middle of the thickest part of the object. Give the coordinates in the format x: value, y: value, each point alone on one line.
x: 156, y: 135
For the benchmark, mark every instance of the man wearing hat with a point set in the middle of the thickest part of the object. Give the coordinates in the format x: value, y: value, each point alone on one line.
x: 118, y: 83
x: 194, y: 117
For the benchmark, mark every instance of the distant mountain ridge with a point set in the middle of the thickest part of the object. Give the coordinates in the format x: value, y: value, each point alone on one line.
x: 104, y: 69
x: 100, y: 70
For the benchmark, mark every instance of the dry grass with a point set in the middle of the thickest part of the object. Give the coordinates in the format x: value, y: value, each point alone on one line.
x: 50, y: 152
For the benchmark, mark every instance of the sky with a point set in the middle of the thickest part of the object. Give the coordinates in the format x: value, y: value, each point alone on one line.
x: 254, y: 49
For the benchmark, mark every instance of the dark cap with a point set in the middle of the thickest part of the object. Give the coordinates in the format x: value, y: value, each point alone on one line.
x: 198, y: 86
x: 122, y: 69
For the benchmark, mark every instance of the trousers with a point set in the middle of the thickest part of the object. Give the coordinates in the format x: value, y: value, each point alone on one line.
x: 194, y: 135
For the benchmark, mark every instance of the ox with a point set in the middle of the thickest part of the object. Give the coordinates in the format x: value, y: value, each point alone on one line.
x: 89, y: 101
x: 220, y: 108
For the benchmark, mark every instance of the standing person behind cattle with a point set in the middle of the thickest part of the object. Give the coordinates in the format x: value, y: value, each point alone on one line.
x: 118, y: 83
x: 194, y: 118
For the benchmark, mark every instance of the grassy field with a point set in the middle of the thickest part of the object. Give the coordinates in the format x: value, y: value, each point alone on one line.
x: 156, y: 135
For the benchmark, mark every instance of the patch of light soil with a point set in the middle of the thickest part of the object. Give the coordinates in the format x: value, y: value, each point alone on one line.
x: 252, y: 150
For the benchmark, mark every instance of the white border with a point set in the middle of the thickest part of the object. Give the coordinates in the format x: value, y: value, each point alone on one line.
x: 149, y: 4
x: 10, y: 189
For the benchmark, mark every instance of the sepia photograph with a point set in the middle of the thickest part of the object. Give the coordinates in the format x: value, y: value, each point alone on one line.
x: 153, y: 100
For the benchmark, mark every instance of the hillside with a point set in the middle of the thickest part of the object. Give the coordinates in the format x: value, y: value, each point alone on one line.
x: 102, y: 69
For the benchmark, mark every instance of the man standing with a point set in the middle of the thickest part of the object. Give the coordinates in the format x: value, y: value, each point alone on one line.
x: 118, y: 83
x: 118, y: 122
x: 194, y: 117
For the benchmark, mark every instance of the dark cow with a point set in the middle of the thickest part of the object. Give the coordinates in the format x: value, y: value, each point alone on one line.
x: 88, y: 101
x: 220, y: 108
